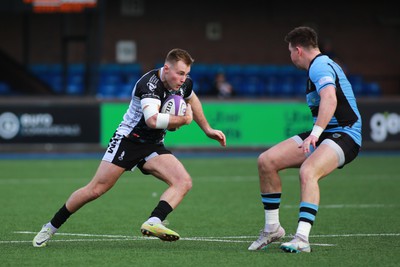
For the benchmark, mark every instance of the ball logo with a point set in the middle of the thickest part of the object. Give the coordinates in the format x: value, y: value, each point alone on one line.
x: 174, y: 105
x: 9, y: 125
x: 183, y: 108
x: 169, y: 107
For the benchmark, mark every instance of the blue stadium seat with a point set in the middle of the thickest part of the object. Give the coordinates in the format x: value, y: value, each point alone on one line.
x: 286, y: 86
x: 356, y: 83
x: 131, y: 73
x: 124, y: 90
x: 203, y: 78
x: 5, y: 89
x: 372, y: 89
x: 299, y: 85
x: 251, y: 86
x: 39, y: 68
x: 268, y: 70
x: 272, y: 86
x: 232, y: 71
x: 55, y: 80
x: 107, y: 91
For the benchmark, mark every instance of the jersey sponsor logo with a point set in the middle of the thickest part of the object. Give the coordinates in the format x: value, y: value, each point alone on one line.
x: 121, y: 157
x: 336, y: 135
x: 113, y: 144
x: 152, y: 83
x: 150, y: 95
x: 183, y: 89
x: 151, y: 86
x: 325, y: 79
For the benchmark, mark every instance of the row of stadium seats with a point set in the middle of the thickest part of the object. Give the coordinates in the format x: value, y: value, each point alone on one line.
x: 114, y: 80
x: 117, y: 80
x: 268, y: 80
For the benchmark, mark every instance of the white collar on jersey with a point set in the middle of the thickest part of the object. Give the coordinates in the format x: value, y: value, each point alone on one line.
x: 161, y: 73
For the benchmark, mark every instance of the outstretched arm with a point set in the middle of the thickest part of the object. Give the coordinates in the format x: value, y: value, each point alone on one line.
x: 200, y: 119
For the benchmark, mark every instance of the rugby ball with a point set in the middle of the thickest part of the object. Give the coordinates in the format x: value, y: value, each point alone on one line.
x: 174, y: 105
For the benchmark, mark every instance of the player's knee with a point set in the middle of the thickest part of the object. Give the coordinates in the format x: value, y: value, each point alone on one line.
x: 307, y: 174
x: 265, y: 161
x: 262, y: 158
x: 183, y: 184
x: 93, y: 193
x: 187, y: 184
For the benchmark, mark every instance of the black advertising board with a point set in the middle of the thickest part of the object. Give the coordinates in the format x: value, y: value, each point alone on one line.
x: 381, y: 124
x: 80, y: 123
x: 26, y: 124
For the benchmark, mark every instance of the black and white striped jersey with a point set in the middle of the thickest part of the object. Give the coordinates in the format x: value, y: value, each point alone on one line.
x: 149, y: 85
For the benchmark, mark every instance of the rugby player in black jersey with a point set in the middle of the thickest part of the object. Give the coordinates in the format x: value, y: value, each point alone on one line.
x: 138, y: 142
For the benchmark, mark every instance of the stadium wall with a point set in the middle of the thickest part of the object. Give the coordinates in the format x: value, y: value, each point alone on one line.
x: 365, y: 36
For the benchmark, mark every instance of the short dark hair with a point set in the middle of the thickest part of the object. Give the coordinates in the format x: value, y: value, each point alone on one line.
x: 178, y: 54
x: 302, y: 36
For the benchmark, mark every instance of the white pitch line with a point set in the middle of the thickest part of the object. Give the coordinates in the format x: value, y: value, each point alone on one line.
x: 323, y: 236
x: 70, y: 240
x: 358, y: 235
x: 89, y: 235
x: 144, y: 239
x: 342, y: 206
x: 226, y: 239
x: 211, y: 237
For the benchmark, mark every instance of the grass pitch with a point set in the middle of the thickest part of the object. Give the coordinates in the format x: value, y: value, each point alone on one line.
x: 358, y: 223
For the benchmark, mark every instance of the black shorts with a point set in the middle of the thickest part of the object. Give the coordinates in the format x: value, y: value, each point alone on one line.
x: 129, y: 154
x: 350, y: 149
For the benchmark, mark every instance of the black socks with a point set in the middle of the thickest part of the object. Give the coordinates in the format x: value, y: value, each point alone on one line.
x: 60, y: 217
x: 162, y: 210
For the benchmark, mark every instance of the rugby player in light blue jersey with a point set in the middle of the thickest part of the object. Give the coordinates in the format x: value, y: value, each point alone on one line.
x: 334, y: 141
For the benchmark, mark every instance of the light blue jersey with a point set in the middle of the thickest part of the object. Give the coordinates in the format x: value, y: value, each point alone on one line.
x: 323, y: 72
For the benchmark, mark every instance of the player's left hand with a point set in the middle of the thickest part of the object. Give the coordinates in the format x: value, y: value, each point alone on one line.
x: 217, y: 135
x: 311, y: 140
